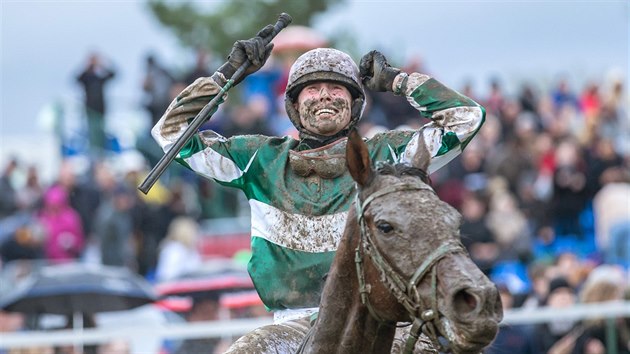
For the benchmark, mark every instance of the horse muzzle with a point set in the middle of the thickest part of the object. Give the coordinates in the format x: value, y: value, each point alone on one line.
x: 473, y: 319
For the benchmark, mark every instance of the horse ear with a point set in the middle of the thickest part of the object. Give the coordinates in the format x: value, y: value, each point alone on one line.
x: 358, y: 159
x: 422, y: 157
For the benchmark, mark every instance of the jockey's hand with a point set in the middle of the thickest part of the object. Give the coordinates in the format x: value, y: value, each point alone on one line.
x: 376, y: 73
x: 253, y: 49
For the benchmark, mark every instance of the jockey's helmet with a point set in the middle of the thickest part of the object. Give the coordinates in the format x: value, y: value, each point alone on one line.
x: 324, y: 64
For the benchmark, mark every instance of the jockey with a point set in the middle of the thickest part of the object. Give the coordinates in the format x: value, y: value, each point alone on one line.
x: 299, y: 190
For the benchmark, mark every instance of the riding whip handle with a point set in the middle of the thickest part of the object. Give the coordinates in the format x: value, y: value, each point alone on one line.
x: 283, y: 21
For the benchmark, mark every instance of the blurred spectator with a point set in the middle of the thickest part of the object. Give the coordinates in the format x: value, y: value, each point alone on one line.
x: 249, y: 118
x: 183, y: 201
x: 614, y: 124
x: 494, y: 103
x: 157, y: 87
x: 93, y: 79
x: 489, y: 137
x: 151, y: 219
x: 394, y: 111
x: 64, y: 233
x: 512, y: 159
x: 8, y: 198
x: 537, y: 274
x: 509, y: 117
x: 612, y: 223
x: 507, y: 222
x: 114, y: 229
x: 527, y: 99
x: 203, y: 309
x: 84, y: 192
x: 476, y: 236
x: 178, y: 252
x: 556, y: 335
x: 601, y: 156
x: 536, y: 194
x: 590, y: 105
x: 468, y: 91
x: 562, y: 95
x: 570, y: 267
x: 30, y: 195
x: 201, y: 68
x: 153, y: 215
x: 569, y: 189
x: 593, y: 338
x: 263, y: 84
x: 515, y: 339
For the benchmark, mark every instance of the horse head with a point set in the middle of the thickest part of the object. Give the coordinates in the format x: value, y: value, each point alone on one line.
x: 411, y: 264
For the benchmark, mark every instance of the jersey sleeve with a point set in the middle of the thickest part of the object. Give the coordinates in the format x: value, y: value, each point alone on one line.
x: 455, y: 119
x: 207, y: 153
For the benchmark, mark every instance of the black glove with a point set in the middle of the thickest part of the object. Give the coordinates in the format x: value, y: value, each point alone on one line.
x: 376, y: 73
x: 253, y: 49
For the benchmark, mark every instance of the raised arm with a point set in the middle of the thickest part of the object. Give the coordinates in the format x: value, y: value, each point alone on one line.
x: 455, y: 118
x: 194, y: 97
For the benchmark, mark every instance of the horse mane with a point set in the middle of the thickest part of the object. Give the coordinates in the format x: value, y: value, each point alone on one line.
x: 402, y: 169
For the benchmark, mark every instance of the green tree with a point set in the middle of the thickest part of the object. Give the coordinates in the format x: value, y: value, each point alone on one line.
x: 216, y: 26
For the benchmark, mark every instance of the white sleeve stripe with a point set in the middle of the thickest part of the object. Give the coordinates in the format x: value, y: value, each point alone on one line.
x: 210, y: 163
x: 297, y: 231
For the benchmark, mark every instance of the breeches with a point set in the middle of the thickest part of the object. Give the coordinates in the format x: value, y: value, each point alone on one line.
x: 287, y: 337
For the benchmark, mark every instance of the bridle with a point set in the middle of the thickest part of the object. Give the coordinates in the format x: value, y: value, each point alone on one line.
x: 424, y: 318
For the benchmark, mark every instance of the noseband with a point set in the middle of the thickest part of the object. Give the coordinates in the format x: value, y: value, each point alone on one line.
x: 405, y: 291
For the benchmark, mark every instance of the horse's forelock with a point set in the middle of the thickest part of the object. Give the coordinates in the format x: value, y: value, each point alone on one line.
x: 402, y: 169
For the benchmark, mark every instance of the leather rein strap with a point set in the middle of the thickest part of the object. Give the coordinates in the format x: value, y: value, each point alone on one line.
x: 424, y: 318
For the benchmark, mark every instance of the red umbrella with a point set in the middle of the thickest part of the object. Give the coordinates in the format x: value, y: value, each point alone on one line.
x: 174, y: 304
x: 189, y: 287
x: 241, y: 299
x: 298, y: 38
x: 212, y: 279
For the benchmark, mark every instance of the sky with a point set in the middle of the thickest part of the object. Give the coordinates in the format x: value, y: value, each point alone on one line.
x: 44, y: 45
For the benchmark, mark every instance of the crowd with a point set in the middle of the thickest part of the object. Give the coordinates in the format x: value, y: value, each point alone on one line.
x: 544, y: 191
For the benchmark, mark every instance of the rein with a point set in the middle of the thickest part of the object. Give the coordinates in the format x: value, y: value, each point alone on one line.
x: 405, y: 291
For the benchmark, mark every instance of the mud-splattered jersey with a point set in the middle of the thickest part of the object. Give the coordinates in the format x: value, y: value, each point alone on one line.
x: 297, y: 222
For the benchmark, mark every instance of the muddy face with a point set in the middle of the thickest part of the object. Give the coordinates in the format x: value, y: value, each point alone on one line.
x: 407, y: 226
x: 324, y: 108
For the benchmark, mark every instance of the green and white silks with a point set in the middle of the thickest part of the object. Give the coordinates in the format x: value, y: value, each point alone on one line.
x: 297, y: 222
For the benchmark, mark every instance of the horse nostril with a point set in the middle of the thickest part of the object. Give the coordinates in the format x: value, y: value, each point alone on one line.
x: 464, y: 302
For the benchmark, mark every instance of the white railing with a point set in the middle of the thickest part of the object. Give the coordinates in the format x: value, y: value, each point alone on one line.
x: 235, y: 328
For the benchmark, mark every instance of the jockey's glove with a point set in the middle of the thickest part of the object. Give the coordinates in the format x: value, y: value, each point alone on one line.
x: 257, y: 50
x: 376, y: 73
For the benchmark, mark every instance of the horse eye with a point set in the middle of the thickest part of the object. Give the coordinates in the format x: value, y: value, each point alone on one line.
x: 385, y: 227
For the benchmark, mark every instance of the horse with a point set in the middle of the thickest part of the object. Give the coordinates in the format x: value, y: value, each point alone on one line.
x: 400, y: 260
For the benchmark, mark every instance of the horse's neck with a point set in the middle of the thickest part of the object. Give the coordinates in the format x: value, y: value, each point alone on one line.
x: 344, y: 325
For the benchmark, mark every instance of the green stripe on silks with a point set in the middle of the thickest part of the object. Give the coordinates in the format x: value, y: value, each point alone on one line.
x: 192, y: 146
x: 286, y: 278
x: 435, y: 96
x: 449, y: 142
x: 183, y: 163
